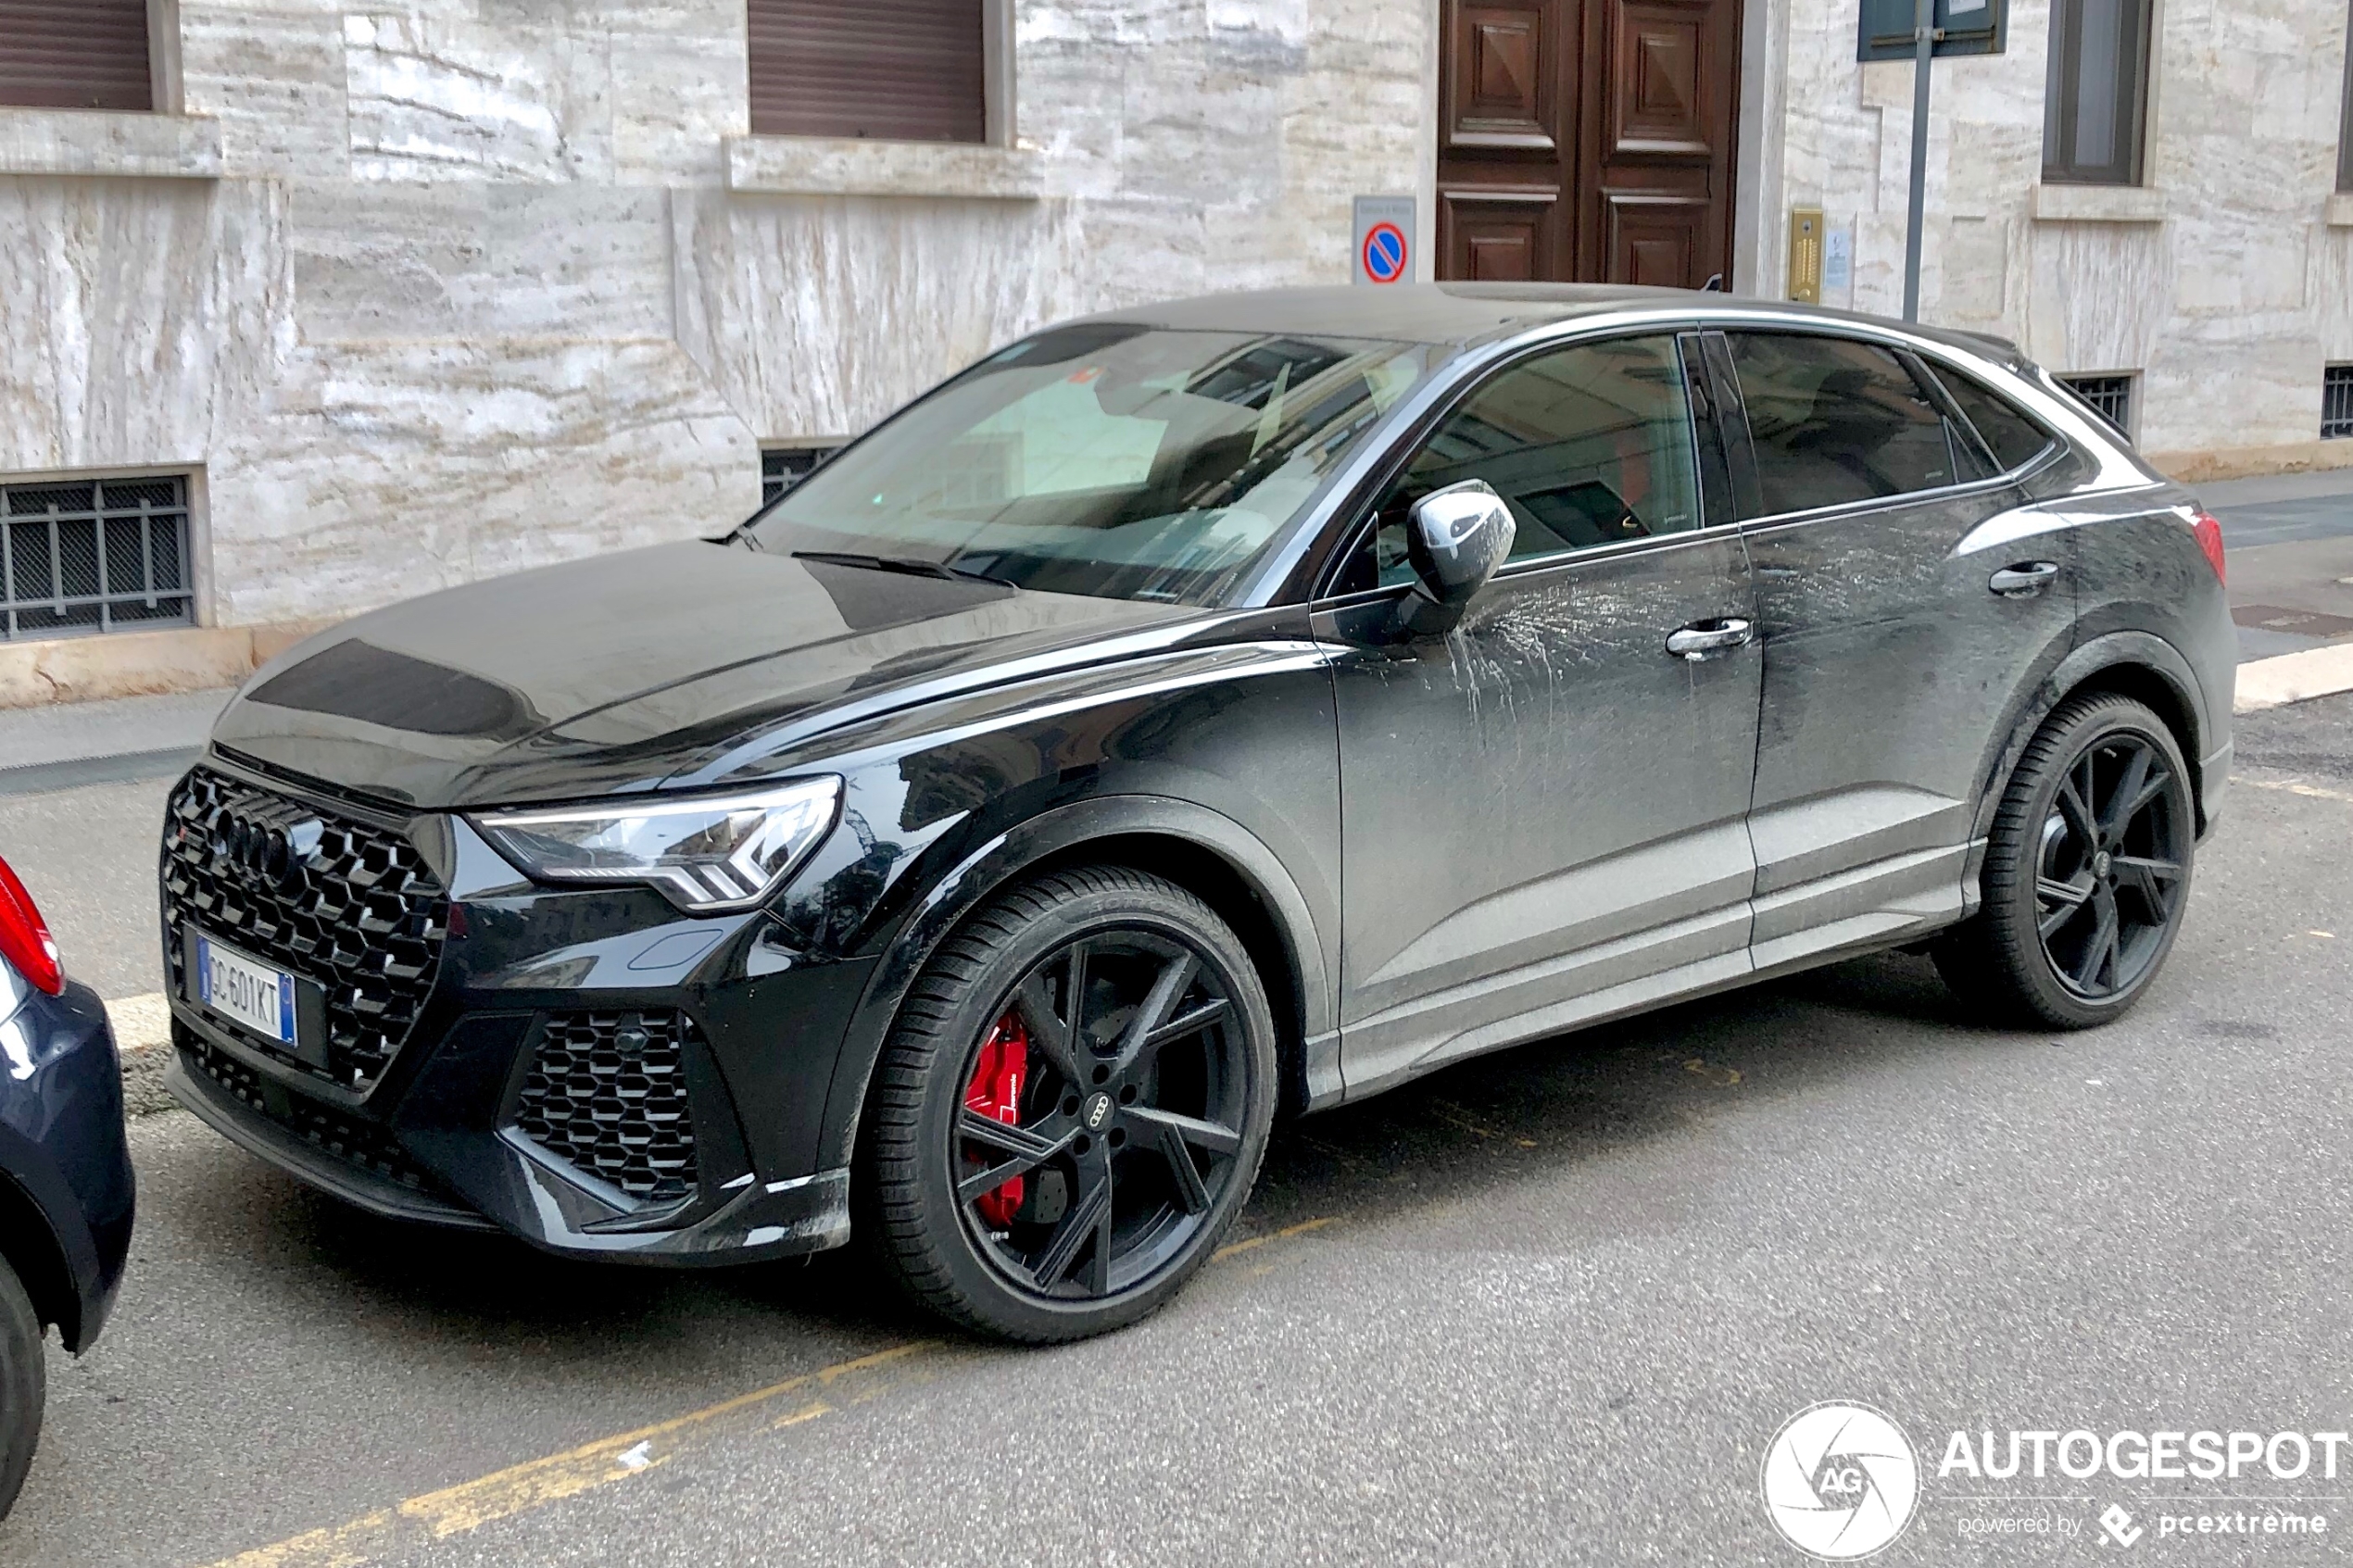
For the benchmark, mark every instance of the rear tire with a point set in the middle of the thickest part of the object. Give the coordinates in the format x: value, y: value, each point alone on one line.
x: 2087, y: 872
x: 1071, y: 1108
x: 23, y: 1382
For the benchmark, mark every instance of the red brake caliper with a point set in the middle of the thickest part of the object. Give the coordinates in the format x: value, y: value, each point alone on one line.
x: 995, y: 1092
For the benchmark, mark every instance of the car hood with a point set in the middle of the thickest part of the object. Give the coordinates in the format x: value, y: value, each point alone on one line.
x: 615, y: 673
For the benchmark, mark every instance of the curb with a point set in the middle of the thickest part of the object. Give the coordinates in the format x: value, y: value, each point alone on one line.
x: 2294, y: 677
x: 143, y: 1043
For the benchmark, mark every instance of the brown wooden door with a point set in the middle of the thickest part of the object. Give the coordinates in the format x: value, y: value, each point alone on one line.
x: 1587, y: 140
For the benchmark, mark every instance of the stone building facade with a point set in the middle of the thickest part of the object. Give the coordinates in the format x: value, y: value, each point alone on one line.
x: 410, y: 293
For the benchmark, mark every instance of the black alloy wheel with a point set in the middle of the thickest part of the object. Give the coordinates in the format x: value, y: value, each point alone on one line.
x: 2087, y: 872
x: 1072, y: 1109
x: 2113, y: 863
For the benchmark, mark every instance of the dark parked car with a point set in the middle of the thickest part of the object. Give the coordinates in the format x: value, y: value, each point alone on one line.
x: 1245, y: 704
x: 64, y: 1171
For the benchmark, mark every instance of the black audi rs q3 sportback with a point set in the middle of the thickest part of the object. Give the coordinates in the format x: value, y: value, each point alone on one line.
x: 1188, y: 713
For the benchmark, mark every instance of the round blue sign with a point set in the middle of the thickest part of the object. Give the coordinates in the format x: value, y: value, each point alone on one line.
x: 1384, y: 254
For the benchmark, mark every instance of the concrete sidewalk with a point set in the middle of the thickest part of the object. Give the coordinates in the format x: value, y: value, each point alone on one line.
x: 69, y: 744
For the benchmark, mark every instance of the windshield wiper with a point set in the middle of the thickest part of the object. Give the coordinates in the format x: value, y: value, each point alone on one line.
x: 913, y: 566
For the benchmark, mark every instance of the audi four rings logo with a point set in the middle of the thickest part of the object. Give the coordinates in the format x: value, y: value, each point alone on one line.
x: 1841, y: 1481
x: 267, y: 852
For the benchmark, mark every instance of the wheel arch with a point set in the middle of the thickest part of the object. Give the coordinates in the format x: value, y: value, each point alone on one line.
x: 2137, y: 665
x: 1206, y: 853
x: 31, y: 1245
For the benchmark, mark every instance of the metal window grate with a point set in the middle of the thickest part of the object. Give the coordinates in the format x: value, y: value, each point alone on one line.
x: 94, y: 555
x: 784, y: 467
x: 2336, y: 403
x: 2108, y: 396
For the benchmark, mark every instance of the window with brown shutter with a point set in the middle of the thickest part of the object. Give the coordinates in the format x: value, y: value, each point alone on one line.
x: 75, y: 55
x: 899, y: 70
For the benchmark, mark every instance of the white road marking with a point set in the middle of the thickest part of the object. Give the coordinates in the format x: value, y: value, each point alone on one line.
x: 2294, y: 677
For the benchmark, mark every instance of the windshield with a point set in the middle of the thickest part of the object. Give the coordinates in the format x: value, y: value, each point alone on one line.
x: 1109, y: 460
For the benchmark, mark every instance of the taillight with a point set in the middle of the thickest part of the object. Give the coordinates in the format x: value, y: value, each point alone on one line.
x: 25, y: 942
x: 2208, y: 528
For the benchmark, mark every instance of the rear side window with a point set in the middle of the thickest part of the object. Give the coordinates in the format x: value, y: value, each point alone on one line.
x: 1833, y: 420
x: 2014, y: 439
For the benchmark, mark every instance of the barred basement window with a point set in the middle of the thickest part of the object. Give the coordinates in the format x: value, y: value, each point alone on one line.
x: 2108, y: 396
x: 908, y: 70
x: 94, y: 555
x: 781, y: 468
x: 2336, y: 403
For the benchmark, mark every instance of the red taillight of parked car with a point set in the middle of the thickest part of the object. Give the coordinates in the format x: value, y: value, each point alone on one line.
x: 25, y: 942
x: 2208, y: 528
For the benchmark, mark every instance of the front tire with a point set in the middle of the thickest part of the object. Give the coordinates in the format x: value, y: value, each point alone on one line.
x: 23, y: 1380
x: 1071, y: 1110
x: 2087, y: 870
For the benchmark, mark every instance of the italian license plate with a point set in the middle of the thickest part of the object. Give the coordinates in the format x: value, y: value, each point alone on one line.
x: 257, y: 995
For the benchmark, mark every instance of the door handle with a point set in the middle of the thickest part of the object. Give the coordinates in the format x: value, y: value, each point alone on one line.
x: 1703, y: 639
x: 2024, y: 580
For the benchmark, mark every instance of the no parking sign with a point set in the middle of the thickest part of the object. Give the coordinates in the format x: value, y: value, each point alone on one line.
x: 1384, y: 248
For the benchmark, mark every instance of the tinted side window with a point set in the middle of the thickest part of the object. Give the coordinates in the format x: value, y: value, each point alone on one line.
x: 1591, y: 446
x: 2015, y: 439
x: 1835, y: 420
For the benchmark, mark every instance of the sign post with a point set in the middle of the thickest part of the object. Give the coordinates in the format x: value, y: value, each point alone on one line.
x: 1384, y: 247
x: 1915, y: 223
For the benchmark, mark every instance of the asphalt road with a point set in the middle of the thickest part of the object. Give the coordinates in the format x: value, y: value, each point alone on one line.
x: 1549, y: 1306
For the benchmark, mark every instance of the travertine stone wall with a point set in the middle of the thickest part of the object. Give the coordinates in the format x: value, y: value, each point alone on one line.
x: 452, y: 287
x: 2223, y: 282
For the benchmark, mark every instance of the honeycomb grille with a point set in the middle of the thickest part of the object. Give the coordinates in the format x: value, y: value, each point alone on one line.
x: 607, y: 1093
x: 353, y: 1143
x: 352, y: 908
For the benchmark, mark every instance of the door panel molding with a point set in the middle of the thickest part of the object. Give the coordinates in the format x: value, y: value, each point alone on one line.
x: 1658, y: 97
x: 1498, y: 90
x: 1581, y: 906
x: 1655, y: 239
x: 1799, y: 841
x: 1707, y: 952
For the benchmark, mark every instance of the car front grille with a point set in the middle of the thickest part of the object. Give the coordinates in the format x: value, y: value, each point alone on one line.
x: 354, y: 1143
x: 606, y: 1093
x: 350, y: 907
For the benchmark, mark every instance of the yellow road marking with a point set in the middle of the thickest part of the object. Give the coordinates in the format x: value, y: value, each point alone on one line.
x: 453, y: 1511
x: 1716, y: 1077
x: 1455, y: 1115
x: 2292, y: 786
x: 502, y: 1494
x: 1231, y: 1248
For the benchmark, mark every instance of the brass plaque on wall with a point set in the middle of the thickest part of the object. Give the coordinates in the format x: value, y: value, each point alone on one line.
x: 1805, y: 254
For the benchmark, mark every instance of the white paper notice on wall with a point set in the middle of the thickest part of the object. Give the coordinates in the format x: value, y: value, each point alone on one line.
x: 1955, y: 9
x: 1838, y: 265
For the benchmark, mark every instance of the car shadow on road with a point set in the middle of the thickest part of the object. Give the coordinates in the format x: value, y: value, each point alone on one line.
x: 1530, y: 1112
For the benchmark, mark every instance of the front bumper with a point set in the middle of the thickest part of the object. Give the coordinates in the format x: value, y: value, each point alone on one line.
x: 586, y: 1069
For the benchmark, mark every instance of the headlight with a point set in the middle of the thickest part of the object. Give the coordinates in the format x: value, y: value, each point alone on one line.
x: 714, y: 852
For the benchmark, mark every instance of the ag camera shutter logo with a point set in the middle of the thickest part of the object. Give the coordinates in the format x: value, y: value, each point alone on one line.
x: 1841, y: 1481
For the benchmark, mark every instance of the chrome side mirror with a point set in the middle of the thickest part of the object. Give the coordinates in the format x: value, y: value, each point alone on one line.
x: 1455, y: 540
